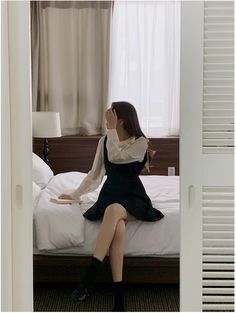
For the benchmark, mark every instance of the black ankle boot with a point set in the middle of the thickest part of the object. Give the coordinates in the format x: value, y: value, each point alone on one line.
x: 84, y: 290
x: 80, y: 293
x: 119, y: 303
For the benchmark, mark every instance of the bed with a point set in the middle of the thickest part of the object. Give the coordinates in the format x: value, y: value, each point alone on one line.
x: 64, y: 240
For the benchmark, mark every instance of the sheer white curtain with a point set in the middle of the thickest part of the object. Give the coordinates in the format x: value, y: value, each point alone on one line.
x: 145, y: 62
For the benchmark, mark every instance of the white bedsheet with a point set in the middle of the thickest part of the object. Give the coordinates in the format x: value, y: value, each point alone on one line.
x: 62, y: 229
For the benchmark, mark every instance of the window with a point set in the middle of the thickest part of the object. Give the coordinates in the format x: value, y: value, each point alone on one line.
x: 145, y: 62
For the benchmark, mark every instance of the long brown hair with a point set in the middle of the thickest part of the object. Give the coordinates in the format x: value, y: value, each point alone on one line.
x: 127, y: 112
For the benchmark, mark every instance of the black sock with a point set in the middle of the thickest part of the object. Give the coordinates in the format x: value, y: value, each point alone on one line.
x: 89, y: 278
x: 119, y: 305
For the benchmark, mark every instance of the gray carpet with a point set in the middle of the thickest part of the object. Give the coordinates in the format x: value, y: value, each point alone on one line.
x: 138, y: 298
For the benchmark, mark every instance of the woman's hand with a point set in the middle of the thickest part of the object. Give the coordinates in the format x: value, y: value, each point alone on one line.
x: 111, y: 119
x: 151, y: 154
x: 65, y: 196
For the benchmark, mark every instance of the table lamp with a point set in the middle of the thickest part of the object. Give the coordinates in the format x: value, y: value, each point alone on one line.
x: 46, y: 125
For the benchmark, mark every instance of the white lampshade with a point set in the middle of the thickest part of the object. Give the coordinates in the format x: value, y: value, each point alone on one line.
x: 46, y: 124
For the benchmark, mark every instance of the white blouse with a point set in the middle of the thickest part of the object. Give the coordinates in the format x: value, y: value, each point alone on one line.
x: 119, y: 152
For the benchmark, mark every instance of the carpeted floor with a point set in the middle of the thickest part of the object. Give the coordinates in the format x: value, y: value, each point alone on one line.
x: 139, y: 298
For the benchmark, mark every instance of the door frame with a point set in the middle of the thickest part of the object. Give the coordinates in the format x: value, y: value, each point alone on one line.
x: 17, y: 244
x: 191, y: 90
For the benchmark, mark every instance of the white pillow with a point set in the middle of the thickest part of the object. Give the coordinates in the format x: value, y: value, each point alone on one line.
x: 36, y: 190
x: 42, y: 173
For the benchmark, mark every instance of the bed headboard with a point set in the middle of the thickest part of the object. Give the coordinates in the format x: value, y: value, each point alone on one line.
x: 76, y: 153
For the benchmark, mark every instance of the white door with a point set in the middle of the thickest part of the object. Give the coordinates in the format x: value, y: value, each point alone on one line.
x: 17, y: 245
x: 206, y: 156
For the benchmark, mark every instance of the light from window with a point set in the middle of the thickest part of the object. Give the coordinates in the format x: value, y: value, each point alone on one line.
x: 145, y: 62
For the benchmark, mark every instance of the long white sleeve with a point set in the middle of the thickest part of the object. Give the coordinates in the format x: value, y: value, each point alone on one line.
x: 133, y: 151
x: 94, y: 176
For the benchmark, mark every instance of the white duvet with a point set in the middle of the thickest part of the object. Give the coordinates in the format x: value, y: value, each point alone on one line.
x: 62, y: 229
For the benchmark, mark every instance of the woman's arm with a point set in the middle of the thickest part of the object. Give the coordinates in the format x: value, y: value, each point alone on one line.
x: 134, y: 151
x: 94, y: 176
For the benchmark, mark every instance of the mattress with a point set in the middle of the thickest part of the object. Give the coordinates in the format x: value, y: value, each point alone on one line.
x: 61, y: 229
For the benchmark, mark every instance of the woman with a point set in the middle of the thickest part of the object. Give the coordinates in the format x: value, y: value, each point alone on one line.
x: 121, y: 154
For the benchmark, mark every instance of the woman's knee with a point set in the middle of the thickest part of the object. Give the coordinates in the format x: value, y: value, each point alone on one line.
x: 116, y: 210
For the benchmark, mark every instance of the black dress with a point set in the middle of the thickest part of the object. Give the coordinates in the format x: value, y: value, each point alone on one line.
x: 124, y: 186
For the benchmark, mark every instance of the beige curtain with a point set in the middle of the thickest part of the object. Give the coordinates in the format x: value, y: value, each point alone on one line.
x: 70, y: 62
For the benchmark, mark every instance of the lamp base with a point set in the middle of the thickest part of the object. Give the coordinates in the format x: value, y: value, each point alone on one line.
x: 46, y: 151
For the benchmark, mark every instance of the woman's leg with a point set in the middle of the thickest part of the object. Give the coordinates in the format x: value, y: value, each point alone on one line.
x: 116, y: 255
x: 113, y: 214
x: 116, y: 251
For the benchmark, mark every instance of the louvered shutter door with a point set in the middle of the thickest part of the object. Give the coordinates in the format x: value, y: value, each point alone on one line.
x: 218, y: 248
x: 218, y: 138
x: 218, y: 79
x: 206, y: 157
